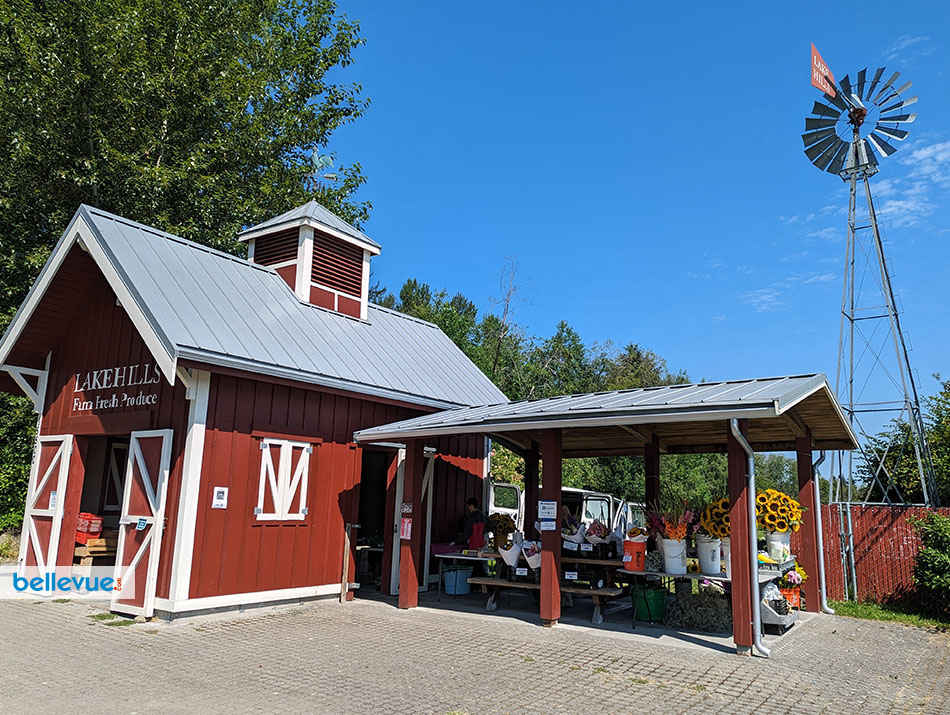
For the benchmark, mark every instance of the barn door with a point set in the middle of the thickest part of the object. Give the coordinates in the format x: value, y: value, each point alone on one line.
x: 142, y: 521
x: 43, y: 518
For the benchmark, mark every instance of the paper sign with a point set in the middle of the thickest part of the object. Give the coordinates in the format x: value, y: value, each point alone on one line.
x: 52, y: 500
x: 570, y: 545
x: 219, y: 498
x: 547, y: 509
x: 521, y: 571
x: 587, y: 547
x: 627, y: 558
x: 821, y: 76
x: 406, y: 507
x: 141, y: 524
x: 570, y: 575
x: 405, y: 528
x: 548, y: 525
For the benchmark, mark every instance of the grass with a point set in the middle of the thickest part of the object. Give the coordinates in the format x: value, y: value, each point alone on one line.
x: 871, y: 611
x: 120, y: 622
x: 103, y: 616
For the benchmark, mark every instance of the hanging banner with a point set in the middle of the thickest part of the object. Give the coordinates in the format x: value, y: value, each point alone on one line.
x: 821, y: 76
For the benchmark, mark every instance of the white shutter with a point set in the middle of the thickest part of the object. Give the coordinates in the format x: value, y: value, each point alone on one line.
x: 284, y: 479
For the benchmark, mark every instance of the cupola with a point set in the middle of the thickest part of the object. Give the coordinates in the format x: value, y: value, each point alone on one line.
x: 324, y: 259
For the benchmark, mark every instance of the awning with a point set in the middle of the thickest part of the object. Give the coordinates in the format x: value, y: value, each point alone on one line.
x: 684, y: 419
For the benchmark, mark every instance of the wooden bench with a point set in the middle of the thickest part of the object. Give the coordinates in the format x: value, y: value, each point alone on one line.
x: 494, y: 587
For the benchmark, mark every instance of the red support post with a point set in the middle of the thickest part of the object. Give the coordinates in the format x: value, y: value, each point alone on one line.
x: 651, y: 471
x: 531, y: 489
x: 551, y: 540
x: 739, y: 543
x: 808, y: 552
x: 409, y: 556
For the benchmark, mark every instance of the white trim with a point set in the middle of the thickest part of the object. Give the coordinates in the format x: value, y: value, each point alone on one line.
x: 428, y: 491
x: 37, y: 396
x: 397, y: 542
x: 184, y: 548
x: 285, y: 480
x: 335, y: 292
x: 242, y: 599
x: 304, y: 262
x: 364, y: 288
x: 250, y: 250
x: 309, y: 222
x: 282, y: 264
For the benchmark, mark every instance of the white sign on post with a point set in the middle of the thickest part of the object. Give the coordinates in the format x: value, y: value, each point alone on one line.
x: 547, y: 510
x: 548, y: 525
x: 405, y: 528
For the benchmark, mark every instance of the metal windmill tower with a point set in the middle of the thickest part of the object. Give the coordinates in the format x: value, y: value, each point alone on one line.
x: 847, y: 129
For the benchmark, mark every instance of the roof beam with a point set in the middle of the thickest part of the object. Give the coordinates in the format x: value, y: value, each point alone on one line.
x: 795, y: 423
x: 644, y: 434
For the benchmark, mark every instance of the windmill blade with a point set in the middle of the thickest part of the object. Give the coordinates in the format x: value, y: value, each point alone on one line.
x: 900, y: 105
x: 861, y: 75
x: 880, y: 143
x: 812, y: 123
x: 810, y: 138
x: 857, y: 100
x: 887, y: 86
x: 839, y: 100
x: 872, y: 157
x: 824, y: 160
x: 838, y: 162
x: 898, y: 134
x: 877, y: 78
x: 816, y: 150
x: 823, y: 110
x: 903, y: 88
x: 845, y: 84
x: 898, y: 118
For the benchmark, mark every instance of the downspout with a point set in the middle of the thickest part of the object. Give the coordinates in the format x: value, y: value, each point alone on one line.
x: 753, y: 542
x: 825, y: 608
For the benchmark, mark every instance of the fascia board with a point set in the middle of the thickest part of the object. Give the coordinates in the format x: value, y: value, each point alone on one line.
x: 317, y: 226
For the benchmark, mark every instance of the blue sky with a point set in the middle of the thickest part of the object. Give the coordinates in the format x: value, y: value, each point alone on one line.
x: 643, y: 163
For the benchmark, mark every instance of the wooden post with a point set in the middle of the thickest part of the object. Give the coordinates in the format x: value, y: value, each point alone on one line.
x: 739, y: 543
x: 409, y: 548
x: 531, y: 489
x: 551, y: 540
x: 808, y: 552
x: 651, y: 471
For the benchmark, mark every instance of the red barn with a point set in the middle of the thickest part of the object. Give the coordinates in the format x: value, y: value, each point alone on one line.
x: 205, y: 405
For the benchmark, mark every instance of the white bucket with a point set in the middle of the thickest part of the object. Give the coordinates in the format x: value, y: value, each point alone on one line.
x: 674, y: 555
x: 727, y: 557
x: 780, y: 545
x: 707, y: 549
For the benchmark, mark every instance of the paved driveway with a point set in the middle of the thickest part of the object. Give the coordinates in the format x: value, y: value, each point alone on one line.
x: 368, y: 657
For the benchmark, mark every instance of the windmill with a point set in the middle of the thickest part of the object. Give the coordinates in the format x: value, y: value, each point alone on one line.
x: 844, y: 135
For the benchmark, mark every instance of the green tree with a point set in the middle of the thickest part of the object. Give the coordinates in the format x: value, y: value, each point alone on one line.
x: 199, y: 118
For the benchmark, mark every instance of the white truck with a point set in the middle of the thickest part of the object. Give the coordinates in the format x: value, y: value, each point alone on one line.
x: 585, y: 505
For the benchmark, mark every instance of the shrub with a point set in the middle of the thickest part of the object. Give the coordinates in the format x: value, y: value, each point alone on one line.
x: 17, y: 430
x: 932, y: 570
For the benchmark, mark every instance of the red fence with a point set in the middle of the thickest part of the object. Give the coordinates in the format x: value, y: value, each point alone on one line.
x: 885, y: 548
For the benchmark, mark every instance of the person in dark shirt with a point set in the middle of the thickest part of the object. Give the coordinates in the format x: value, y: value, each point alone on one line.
x: 473, y: 516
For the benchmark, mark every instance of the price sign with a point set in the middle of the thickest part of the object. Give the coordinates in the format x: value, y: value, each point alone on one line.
x: 570, y: 575
x: 627, y: 558
x: 570, y: 546
x: 547, y: 525
x: 405, y: 528
x: 587, y: 547
x: 547, y: 509
x: 521, y: 571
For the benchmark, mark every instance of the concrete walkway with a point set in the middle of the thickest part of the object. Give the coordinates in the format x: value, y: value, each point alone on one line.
x: 367, y: 656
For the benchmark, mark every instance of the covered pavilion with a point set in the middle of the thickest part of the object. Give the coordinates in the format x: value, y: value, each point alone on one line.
x: 795, y: 413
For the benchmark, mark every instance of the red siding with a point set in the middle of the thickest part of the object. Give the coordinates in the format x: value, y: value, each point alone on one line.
x: 348, y: 306
x: 337, y: 264
x: 289, y: 274
x: 322, y: 298
x: 102, y: 336
x: 236, y: 553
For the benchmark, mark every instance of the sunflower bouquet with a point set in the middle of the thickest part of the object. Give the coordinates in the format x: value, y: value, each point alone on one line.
x: 714, y: 519
x: 500, y: 526
x: 777, y: 512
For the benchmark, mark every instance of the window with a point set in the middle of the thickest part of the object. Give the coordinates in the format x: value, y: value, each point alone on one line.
x: 282, y: 492
x: 597, y: 508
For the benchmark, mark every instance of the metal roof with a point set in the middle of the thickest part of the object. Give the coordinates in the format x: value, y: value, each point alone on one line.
x: 210, y: 307
x: 679, y: 415
x: 316, y: 213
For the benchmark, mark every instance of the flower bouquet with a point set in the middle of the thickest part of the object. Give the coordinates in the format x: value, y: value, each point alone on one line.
x: 791, y: 585
x: 511, y: 551
x: 713, y: 528
x: 573, y: 533
x: 597, y: 533
x: 500, y: 526
x: 671, y: 526
x: 780, y: 515
x: 532, y: 553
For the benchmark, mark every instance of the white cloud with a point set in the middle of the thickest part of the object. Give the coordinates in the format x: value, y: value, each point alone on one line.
x: 930, y: 162
x: 763, y: 299
x: 830, y: 233
x: 902, y: 43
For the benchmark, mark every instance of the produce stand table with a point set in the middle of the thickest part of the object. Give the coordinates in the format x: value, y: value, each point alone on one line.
x: 494, y: 587
x: 455, y: 557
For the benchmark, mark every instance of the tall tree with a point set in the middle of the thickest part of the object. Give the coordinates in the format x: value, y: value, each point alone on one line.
x: 198, y: 117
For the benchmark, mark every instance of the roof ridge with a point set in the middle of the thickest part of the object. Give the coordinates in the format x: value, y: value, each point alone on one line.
x: 393, y: 311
